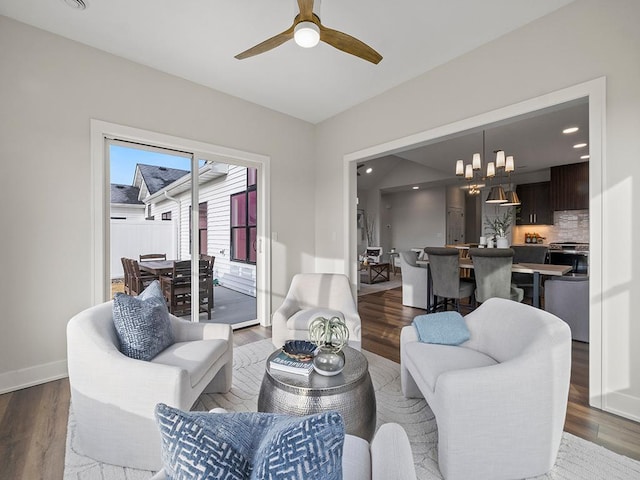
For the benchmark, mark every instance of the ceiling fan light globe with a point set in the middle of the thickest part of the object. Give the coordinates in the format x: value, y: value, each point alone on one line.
x: 306, y: 34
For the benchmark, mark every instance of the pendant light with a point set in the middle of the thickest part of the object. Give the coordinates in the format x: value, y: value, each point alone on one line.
x: 496, y: 195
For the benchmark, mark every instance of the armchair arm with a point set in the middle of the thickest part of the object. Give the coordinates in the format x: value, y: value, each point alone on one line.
x: 391, y: 456
x: 288, y: 307
x: 279, y: 319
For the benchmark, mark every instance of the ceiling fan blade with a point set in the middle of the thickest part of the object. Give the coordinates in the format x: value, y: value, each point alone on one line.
x: 349, y: 44
x: 268, y: 44
x: 306, y: 9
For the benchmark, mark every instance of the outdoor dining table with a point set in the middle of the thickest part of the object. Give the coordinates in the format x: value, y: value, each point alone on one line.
x: 157, y: 267
x: 536, y: 269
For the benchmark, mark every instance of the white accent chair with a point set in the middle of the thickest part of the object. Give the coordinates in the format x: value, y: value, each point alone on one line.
x: 313, y: 295
x: 113, y: 396
x: 414, y: 281
x: 388, y: 457
x: 500, y: 398
x: 373, y: 254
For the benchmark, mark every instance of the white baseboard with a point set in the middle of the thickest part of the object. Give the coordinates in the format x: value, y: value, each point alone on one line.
x: 622, y: 404
x: 28, y: 377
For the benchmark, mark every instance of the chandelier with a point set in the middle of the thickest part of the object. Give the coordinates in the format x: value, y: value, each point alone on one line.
x: 497, y: 171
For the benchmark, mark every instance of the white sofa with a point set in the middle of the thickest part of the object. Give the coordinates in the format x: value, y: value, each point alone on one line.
x: 113, y: 397
x: 313, y: 295
x: 388, y: 457
x: 500, y: 398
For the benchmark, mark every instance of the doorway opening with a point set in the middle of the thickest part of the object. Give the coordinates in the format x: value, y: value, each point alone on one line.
x: 593, y: 94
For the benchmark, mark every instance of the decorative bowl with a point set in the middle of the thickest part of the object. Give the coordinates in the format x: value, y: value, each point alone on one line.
x: 299, y: 349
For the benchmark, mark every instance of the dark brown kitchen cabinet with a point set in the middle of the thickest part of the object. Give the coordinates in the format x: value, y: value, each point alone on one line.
x: 570, y: 187
x: 534, y: 208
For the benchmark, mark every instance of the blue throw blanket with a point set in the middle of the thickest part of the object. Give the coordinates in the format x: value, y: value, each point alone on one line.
x: 446, y: 328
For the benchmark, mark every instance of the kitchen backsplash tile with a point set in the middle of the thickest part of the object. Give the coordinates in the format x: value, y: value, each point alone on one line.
x: 568, y: 226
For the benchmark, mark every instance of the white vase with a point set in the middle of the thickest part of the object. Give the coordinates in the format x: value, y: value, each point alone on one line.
x: 502, y: 242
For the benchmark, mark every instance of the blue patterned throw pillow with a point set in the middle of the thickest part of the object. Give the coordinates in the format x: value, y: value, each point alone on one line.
x: 142, y: 323
x: 250, y: 446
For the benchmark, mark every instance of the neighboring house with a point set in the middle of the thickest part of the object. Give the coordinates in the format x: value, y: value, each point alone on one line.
x: 126, y: 203
x: 164, y: 194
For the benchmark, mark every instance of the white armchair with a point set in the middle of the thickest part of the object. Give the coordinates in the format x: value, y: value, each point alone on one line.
x: 313, y: 295
x: 500, y: 398
x: 113, y: 396
x: 414, y: 281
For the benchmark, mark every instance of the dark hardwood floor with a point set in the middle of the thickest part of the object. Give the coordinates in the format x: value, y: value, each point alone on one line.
x: 33, y: 421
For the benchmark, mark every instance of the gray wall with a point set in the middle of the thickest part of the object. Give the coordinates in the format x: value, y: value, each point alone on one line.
x: 585, y: 40
x: 50, y: 89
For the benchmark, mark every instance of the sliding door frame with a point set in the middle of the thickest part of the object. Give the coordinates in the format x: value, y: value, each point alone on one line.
x: 100, y: 202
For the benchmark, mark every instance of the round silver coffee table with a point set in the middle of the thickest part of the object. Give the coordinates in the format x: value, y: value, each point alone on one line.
x: 350, y: 393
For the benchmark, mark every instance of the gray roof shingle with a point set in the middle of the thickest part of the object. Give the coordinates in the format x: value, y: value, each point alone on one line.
x: 156, y: 178
x: 127, y: 194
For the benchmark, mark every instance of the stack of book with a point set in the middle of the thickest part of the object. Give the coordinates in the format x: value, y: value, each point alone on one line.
x: 285, y: 363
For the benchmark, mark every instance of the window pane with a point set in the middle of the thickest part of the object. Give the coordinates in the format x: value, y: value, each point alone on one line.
x: 254, y: 244
x: 238, y: 210
x: 252, y: 176
x: 239, y: 244
x: 253, y: 207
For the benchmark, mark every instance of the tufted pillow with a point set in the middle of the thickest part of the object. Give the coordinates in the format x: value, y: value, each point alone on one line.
x: 447, y: 328
x: 142, y: 323
x: 250, y: 446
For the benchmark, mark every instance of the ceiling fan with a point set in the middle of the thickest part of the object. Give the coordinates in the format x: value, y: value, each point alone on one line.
x: 308, y: 31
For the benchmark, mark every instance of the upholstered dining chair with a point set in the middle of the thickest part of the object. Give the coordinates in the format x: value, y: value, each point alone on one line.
x: 313, y: 295
x: 414, y: 281
x: 527, y: 254
x: 445, y: 277
x: 492, y: 268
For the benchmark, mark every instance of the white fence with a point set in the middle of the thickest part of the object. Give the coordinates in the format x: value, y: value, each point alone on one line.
x: 131, y: 239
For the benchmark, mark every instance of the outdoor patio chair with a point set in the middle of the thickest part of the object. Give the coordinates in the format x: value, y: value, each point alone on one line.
x: 177, y: 288
x: 138, y: 280
x: 147, y: 257
x: 126, y: 275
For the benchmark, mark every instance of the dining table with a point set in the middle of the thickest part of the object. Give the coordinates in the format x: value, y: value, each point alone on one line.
x: 157, y: 267
x: 535, y: 269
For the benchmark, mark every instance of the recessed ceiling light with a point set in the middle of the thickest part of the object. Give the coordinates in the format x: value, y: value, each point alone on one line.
x: 77, y: 4
x: 580, y: 145
x: 570, y: 130
x: 584, y: 157
x: 369, y: 170
x: 415, y: 188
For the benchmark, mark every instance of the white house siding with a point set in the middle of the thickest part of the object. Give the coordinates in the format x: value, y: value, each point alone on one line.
x: 216, y: 193
x: 127, y: 212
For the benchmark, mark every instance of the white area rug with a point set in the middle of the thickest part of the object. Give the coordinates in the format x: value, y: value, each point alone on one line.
x: 577, y: 459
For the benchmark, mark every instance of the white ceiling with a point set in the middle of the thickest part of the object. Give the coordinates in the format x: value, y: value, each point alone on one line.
x: 535, y: 140
x: 197, y: 40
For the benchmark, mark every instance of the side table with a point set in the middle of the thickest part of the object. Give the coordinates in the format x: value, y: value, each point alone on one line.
x: 375, y: 272
x: 350, y: 393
